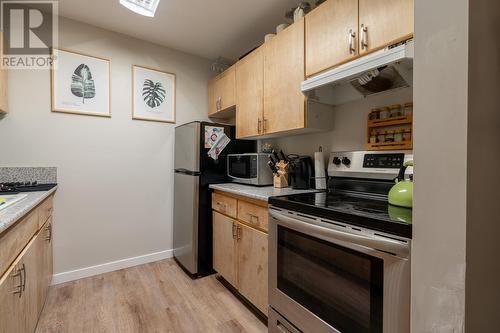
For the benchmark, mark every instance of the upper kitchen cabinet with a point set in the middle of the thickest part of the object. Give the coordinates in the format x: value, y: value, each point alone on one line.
x: 384, y: 22
x: 331, y: 35
x: 3, y: 85
x: 284, y: 103
x: 222, y: 94
x: 250, y: 94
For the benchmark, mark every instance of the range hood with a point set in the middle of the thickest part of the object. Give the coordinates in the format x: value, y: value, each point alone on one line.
x: 375, y: 73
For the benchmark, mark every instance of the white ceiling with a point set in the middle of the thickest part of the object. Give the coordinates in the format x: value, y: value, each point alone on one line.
x: 207, y: 28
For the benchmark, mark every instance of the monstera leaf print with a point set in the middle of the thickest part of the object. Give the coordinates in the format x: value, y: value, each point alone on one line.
x: 82, y: 84
x: 153, y: 93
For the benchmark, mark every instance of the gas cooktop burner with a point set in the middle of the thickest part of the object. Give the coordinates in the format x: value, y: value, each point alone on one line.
x: 16, y: 187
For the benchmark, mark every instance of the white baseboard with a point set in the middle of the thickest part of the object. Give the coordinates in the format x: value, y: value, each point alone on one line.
x: 109, y: 267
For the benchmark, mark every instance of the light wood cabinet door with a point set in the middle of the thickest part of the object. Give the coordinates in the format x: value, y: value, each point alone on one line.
x: 224, y: 247
x: 250, y: 94
x: 33, y: 275
x: 331, y: 35
x: 222, y: 92
x: 12, y: 303
x: 212, y: 102
x: 384, y: 22
x: 252, y: 266
x: 284, y: 103
x: 3, y: 85
x: 44, y: 263
x: 224, y: 204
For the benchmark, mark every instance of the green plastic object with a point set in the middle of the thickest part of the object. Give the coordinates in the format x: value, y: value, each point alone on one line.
x: 401, y: 194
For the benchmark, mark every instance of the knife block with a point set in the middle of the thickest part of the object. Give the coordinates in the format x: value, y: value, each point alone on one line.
x: 280, y: 179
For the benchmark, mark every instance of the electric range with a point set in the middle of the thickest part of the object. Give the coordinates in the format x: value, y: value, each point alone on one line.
x: 21, y: 187
x: 339, y: 261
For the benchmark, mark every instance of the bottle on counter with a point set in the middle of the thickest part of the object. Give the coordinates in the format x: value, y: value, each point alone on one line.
x: 384, y: 113
x: 395, y: 110
x: 398, y: 135
x: 408, y: 109
x: 389, y: 136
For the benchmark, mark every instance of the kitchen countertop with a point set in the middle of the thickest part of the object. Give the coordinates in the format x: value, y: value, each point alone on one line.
x: 257, y: 192
x: 12, y: 214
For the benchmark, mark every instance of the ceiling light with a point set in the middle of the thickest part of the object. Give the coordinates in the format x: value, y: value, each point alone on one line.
x: 142, y: 7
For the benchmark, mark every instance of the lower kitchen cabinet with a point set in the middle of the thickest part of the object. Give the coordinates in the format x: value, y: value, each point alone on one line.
x: 240, y: 253
x: 224, y: 247
x: 24, y: 285
x: 252, y: 266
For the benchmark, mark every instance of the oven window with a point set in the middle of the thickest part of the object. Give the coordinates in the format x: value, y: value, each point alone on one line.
x: 240, y: 167
x: 341, y: 286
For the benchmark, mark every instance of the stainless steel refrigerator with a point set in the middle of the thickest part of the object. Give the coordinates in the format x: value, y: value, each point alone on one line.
x: 194, y: 171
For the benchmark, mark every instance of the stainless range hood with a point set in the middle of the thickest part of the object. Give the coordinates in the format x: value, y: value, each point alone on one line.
x: 375, y: 73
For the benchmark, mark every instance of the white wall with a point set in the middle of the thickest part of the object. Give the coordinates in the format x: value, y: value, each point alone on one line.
x: 115, y: 175
x: 440, y: 197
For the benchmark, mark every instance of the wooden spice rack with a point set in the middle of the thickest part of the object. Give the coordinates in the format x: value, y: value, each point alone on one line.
x: 377, y: 124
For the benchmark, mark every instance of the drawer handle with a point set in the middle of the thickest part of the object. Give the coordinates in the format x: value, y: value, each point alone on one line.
x: 222, y: 206
x: 352, y: 47
x: 24, y: 276
x: 252, y: 216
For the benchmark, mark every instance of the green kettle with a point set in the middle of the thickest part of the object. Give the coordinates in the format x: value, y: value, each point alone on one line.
x: 401, y: 194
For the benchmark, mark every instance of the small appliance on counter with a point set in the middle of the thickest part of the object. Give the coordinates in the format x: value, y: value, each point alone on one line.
x: 301, y: 172
x: 350, y: 237
x: 194, y: 171
x: 249, y: 169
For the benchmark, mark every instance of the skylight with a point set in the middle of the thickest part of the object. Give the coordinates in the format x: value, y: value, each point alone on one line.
x: 142, y: 7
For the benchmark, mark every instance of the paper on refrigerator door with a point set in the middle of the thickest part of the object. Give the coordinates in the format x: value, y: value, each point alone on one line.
x: 218, y: 146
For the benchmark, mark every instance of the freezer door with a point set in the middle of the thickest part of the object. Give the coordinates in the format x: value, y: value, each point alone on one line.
x: 187, y: 147
x: 186, y: 201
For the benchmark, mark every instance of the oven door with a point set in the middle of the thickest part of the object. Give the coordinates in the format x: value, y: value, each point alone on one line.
x: 326, y: 277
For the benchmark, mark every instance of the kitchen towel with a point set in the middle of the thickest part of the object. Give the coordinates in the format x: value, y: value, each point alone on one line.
x: 319, y: 170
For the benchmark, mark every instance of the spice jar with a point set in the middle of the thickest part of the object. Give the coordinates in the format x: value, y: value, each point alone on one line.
x: 398, y: 135
x: 373, y: 137
x: 384, y: 113
x: 375, y: 114
x: 408, y: 109
x: 407, y: 134
x: 381, y: 136
x: 395, y: 110
x: 389, y: 136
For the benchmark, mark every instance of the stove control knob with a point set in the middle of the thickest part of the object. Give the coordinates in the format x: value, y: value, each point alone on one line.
x: 336, y: 161
x: 346, y: 161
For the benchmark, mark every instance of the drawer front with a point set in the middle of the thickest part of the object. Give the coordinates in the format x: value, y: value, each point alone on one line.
x: 223, y: 204
x: 45, y: 211
x: 254, y: 215
x: 15, y: 239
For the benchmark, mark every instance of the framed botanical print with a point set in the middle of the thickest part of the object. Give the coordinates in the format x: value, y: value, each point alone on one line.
x: 81, y: 84
x: 153, y: 94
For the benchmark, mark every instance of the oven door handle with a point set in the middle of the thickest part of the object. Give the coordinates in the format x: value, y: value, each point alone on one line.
x: 374, y: 242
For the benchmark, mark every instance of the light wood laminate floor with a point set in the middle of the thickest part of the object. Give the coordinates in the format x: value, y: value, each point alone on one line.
x: 156, y: 297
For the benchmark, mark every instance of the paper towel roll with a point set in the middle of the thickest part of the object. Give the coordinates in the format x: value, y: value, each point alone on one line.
x: 319, y: 170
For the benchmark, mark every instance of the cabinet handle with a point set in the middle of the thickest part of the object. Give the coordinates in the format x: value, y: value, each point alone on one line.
x: 49, y: 229
x: 352, y: 45
x: 23, y: 269
x: 19, y: 289
x: 264, y: 125
x: 234, y: 231
x: 238, y: 232
x: 259, y: 125
x: 364, y: 33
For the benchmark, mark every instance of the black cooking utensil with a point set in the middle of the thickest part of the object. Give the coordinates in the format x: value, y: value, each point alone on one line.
x: 276, y: 156
x: 283, y: 156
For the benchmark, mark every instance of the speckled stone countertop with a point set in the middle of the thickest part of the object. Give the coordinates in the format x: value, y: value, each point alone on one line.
x: 10, y: 215
x: 254, y: 192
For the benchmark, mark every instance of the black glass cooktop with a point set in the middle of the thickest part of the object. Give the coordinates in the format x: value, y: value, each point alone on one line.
x: 372, y: 212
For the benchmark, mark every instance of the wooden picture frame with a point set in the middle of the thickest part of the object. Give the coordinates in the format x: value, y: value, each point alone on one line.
x: 153, y: 94
x: 77, y: 78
